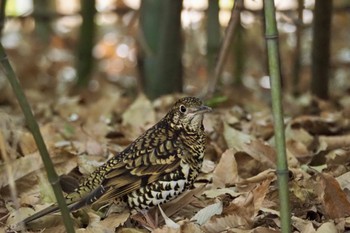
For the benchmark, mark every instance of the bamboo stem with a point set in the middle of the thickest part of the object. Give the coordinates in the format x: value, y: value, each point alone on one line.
x: 271, y: 34
x: 34, y: 128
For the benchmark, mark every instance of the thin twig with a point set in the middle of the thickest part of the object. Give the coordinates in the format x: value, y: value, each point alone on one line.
x: 224, y: 50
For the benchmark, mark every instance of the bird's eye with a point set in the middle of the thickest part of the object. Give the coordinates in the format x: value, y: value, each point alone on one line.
x: 182, y: 109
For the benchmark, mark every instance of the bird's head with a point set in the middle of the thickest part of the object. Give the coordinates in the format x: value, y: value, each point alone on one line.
x: 187, y: 113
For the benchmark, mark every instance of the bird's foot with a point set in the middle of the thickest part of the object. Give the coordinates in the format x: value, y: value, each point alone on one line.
x: 145, y: 218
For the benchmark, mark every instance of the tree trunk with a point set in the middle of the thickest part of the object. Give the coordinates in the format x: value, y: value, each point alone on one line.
x: 297, y: 54
x: 86, y: 43
x: 238, y: 52
x: 213, y: 35
x: 160, y: 65
x: 321, y: 48
x: 42, y: 11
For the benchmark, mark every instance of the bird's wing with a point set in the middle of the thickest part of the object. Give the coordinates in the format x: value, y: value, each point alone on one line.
x: 156, y: 153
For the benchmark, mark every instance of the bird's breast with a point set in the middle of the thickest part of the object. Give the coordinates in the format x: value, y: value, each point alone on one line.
x: 161, y: 191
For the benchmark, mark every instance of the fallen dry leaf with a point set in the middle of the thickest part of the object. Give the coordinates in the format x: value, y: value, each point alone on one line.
x: 327, y: 227
x: 334, y: 199
x: 107, y: 225
x: 264, y: 230
x: 233, y: 220
x: 303, y: 225
x: 338, y: 156
x: 344, y: 181
x: 226, y: 171
x: 138, y: 116
x: 23, y: 165
x: 268, y: 174
x: 206, y: 213
x: 240, y: 212
x: 132, y: 230
x: 27, y: 143
x: 168, y: 221
x: 255, y: 148
x: 186, y: 227
x: 259, y: 194
x: 213, y: 193
x: 334, y: 142
x: 327, y: 123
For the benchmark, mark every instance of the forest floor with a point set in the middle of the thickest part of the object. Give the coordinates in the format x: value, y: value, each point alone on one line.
x: 237, y: 189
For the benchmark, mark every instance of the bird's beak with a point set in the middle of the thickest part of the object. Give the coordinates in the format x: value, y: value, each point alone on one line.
x: 203, y: 109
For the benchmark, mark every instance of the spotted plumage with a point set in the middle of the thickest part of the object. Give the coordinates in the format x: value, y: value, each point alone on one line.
x: 157, y: 167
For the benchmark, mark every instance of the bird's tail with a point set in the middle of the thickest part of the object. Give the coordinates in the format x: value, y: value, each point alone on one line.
x: 41, y: 213
x: 72, y: 206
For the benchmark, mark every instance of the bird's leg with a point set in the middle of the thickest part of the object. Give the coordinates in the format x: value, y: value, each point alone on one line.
x: 149, y: 219
x: 117, y: 206
x: 145, y: 218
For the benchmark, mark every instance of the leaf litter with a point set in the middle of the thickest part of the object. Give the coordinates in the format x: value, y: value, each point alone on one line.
x: 236, y: 191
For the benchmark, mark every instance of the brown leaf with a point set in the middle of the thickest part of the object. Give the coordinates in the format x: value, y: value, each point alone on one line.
x: 138, y: 116
x: 23, y: 166
x: 262, y: 152
x: 186, y: 227
x: 131, y: 230
x: 190, y: 227
x: 213, y: 193
x: 344, y: 181
x: 266, y: 174
x: 166, y: 229
x: 233, y: 220
x: 298, y: 150
x: 334, y: 199
x: 327, y: 123
x: 226, y: 171
x: 265, y: 230
x: 106, y: 225
x: 241, y: 212
x: 259, y: 194
x: 303, y: 225
x: 338, y: 156
x: 327, y: 227
x: 257, y: 149
x: 27, y: 143
x: 337, y: 141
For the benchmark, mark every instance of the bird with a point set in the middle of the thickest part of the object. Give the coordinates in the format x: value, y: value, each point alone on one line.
x: 155, y: 168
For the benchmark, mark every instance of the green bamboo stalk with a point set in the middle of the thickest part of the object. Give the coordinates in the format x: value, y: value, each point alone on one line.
x: 34, y: 128
x: 213, y: 35
x: 271, y: 34
x: 85, y: 59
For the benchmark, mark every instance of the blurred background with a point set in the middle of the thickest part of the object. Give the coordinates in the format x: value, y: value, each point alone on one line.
x: 98, y: 73
x: 164, y: 47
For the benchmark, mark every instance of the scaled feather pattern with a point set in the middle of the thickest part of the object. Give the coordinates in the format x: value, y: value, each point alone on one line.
x: 158, y: 166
